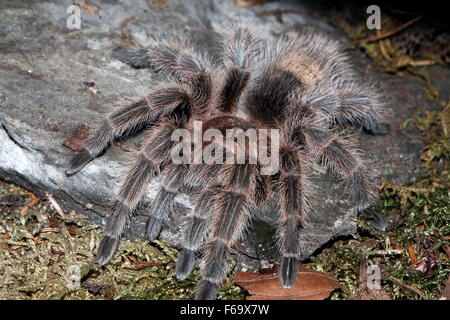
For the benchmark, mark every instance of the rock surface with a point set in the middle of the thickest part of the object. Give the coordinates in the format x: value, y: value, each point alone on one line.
x: 43, y: 66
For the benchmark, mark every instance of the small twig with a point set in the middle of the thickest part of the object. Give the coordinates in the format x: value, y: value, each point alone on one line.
x: 411, y: 189
x: 143, y: 265
x: 422, y: 63
x: 72, y: 215
x: 56, y: 206
x: 404, y: 285
x: 49, y: 230
x: 88, y: 8
x: 34, y: 201
x: 390, y: 33
x: 386, y: 252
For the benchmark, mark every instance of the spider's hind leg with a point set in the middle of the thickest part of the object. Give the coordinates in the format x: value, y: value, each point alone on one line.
x: 362, y: 107
x: 229, y: 220
x: 343, y: 159
x: 292, y: 188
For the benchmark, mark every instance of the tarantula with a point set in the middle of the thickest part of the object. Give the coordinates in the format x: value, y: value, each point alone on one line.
x: 302, y: 85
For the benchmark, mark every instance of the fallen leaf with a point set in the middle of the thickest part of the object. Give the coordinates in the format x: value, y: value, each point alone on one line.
x: 309, y: 285
x: 77, y: 140
x: 97, y: 288
x: 412, y: 254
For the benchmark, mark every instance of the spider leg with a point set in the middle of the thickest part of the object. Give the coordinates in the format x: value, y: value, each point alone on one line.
x: 197, y: 224
x: 129, y: 196
x: 362, y: 107
x: 147, y: 166
x: 159, y: 211
x: 188, y: 101
x: 344, y: 159
x: 127, y: 119
x: 194, y: 233
x: 177, y: 58
x: 351, y: 104
x: 240, y: 52
x: 229, y: 220
x: 171, y: 183
x: 292, y: 188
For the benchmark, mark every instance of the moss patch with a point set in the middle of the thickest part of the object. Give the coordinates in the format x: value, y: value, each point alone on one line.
x: 415, y: 251
x: 45, y: 257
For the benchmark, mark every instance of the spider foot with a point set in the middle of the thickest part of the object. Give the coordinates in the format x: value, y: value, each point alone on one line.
x: 378, y: 129
x: 288, y: 271
x: 78, y: 162
x: 153, y: 228
x: 106, y: 250
x: 206, y: 290
x: 185, y: 263
x: 137, y: 59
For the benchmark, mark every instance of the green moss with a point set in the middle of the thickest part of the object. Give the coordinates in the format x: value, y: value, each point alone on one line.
x: 425, y: 230
x: 36, y: 265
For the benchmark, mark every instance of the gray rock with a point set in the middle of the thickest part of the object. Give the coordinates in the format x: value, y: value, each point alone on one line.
x: 43, y: 65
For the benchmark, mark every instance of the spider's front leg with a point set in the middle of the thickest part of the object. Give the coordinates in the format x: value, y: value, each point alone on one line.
x: 174, y: 176
x: 292, y: 187
x: 194, y: 233
x: 127, y: 119
x: 182, y: 62
x: 228, y: 222
x: 154, y: 153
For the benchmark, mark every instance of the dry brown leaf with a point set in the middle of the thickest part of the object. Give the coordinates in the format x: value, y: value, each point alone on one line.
x: 77, y: 140
x: 412, y: 254
x: 310, y: 285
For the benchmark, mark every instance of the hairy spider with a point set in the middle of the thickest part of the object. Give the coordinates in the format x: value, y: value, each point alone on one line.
x: 302, y: 85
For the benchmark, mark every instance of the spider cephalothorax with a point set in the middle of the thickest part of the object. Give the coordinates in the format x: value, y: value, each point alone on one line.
x: 302, y: 86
